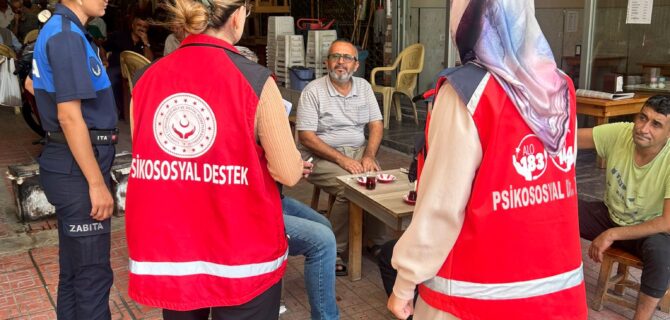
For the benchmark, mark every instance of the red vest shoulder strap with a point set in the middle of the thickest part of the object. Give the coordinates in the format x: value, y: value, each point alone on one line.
x: 465, y: 80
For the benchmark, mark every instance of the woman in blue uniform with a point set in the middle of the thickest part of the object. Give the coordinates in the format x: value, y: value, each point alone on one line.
x: 77, y: 110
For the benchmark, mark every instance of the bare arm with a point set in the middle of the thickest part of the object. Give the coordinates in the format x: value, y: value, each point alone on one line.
x: 376, y: 130
x: 142, y: 34
x: 28, y: 84
x: 79, y: 142
x: 310, y: 140
x: 585, y: 139
x: 604, y: 240
x: 148, y: 53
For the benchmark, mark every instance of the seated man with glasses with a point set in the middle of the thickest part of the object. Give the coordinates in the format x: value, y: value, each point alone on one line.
x: 333, y: 112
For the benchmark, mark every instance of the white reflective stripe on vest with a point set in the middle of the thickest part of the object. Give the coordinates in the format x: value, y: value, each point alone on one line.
x: 506, y: 291
x: 203, y: 267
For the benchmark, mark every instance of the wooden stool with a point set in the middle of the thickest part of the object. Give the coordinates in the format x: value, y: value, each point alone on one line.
x: 315, y: 201
x: 620, y: 281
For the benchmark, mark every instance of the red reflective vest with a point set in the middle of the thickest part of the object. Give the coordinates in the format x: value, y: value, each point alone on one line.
x: 518, y: 254
x: 204, y: 224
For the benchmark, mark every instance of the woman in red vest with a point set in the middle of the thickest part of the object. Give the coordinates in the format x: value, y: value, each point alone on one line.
x: 210, y: 138
x: 495, y: 230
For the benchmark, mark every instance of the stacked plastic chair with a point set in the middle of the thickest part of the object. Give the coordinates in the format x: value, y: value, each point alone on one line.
x: 318, y: 42
x: 290, y: 52
x: 277, y: 26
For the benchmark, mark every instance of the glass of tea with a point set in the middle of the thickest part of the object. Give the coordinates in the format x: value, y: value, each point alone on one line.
x: 371, y: 180
x: 411, y: 196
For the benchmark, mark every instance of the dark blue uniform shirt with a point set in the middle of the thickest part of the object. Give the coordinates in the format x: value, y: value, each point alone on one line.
x: 66, y: 67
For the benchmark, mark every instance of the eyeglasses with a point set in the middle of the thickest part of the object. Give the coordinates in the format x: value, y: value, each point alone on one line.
x: 334, y: 57
x: 248, y: 6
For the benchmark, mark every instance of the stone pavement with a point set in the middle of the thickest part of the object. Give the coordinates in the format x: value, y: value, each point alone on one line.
x: 29, y: 254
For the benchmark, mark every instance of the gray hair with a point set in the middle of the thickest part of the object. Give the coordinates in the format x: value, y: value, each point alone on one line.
x: 247, y: 53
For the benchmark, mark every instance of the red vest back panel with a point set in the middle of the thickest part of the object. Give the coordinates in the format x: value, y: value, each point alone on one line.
x: 204, y: 224
x: 518, y: 255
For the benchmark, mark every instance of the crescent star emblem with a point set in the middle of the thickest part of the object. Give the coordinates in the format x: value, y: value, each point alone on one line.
x: 181, y: 130
x: 96, y: 70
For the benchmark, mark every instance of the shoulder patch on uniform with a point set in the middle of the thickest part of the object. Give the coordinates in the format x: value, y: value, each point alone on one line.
x: 36, y: 71
x: 96, y: 67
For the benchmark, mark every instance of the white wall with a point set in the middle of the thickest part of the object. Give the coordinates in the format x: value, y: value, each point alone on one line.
x: 427, y: 26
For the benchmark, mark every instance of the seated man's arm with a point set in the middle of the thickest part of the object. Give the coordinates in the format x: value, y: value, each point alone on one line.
x: 585, y: 139
x: 311, y: 141
x: 653, y: 226
x: 376, y: 130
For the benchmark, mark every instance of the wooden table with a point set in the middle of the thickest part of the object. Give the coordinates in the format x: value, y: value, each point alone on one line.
x: 602, y: 110
x: 384, y: 203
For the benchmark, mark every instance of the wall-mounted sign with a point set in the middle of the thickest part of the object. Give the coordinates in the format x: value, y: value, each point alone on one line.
x: 571, y: 21
x: 639, y: 11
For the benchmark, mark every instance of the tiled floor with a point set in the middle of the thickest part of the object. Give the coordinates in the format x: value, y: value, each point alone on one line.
x: 29, y: 255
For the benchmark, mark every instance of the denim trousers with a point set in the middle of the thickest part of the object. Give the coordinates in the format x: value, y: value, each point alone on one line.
x: 311, y: 235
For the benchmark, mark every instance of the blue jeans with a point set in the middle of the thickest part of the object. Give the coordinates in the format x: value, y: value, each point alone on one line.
x: 311, y: 235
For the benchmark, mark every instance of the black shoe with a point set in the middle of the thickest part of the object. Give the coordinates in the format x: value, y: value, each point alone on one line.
x: 374, y: 251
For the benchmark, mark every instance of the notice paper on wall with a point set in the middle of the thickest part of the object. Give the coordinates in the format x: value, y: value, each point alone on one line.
x: 571, y: 20
x: 639, y: 11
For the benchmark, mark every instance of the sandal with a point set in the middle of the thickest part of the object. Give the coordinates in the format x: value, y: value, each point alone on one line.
x: 340, y: 267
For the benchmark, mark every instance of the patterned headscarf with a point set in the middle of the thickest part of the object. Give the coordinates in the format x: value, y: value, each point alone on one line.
x: 505, y: 38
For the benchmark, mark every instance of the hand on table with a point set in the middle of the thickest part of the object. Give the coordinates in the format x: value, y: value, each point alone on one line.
x: 370, y: 164
x: 351, y: 165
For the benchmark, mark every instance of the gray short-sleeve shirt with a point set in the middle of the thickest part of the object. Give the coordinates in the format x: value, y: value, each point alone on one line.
x: 338, y: 121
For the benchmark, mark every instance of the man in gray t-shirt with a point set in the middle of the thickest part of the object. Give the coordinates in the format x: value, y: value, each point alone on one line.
x: 332, y: 114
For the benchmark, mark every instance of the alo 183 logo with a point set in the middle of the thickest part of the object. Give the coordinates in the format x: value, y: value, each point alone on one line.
x: 530, y: 158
